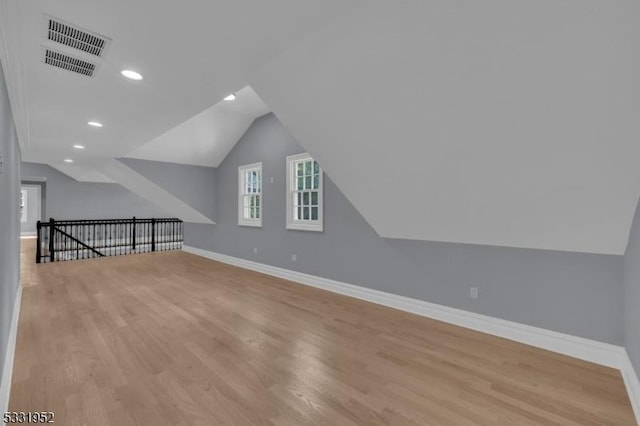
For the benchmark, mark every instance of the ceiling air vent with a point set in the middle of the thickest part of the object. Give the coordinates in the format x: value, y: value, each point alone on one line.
x: 68, y: 63
x: 75, y: 37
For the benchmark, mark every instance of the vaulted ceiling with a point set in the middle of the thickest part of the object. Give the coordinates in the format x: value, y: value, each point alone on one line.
x: 500, y: 122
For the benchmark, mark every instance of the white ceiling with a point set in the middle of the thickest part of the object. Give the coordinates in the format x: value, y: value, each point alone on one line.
x: 501, y: 122
x: 207, y: 138
x: 192, y: 54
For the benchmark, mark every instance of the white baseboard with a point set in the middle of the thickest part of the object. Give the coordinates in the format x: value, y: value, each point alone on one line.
x: 7, y: 370
x: 632, y: 382
x: 578, y: 347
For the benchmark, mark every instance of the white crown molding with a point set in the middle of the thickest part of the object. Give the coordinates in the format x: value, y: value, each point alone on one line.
x: 578, y: 347
x: 13, y: 75
x: 7, y: 370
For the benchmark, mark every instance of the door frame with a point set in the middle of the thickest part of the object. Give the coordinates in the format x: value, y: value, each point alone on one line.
x: 42, y: 186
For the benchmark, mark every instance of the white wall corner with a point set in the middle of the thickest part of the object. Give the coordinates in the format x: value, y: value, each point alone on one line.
x: 7, y: 370
x: 632, y: 383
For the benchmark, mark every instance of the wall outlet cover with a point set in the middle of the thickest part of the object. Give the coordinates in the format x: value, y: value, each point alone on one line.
x: 473, y: 292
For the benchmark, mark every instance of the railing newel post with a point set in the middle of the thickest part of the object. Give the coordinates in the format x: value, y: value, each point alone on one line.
x: 133, y: 237
x: 52, y: 225
x: 153, y: 234
x: 38, y: 242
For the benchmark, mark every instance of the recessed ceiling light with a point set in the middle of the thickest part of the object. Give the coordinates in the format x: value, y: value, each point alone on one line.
x: 230, y: 97
x: 94, y: 124
x: 68, y: 160
x: 132, y: 75
x: 78, y: 147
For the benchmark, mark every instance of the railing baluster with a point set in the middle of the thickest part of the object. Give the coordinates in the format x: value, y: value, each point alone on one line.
x: 77, y: 245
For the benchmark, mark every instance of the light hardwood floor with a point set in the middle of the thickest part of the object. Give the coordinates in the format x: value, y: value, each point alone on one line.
x: 171, y: 338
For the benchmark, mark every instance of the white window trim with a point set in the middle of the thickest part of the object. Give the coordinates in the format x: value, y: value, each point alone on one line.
x: 293, y: 224
x: 242, y: 221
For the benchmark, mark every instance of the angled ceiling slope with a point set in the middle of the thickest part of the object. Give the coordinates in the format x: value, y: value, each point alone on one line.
x: 495, y: 122
x: 207, y: 138
x: 192, y: 53
x: 145, y: 188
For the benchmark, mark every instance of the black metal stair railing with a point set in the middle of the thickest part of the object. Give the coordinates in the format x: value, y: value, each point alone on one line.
x: 84, y: 239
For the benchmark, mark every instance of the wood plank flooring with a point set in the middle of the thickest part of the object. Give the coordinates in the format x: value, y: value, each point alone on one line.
x: 174, y: 339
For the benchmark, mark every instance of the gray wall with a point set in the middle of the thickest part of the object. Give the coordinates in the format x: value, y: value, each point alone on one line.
x: 575, y: 293
x: 9, y: 218
x: 195, y: 185
x: 69, y: 199
x: 632, y: 293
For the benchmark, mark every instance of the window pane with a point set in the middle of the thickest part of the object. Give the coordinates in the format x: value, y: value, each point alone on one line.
x: 314, y: 213
x: 300, y: 184
x: 245, y: 207
x: 298, y: 199
x: 300, y: 167
x: 316, y: 167
x: 299, y: 213
x: 257, y: 212
x: 305, y: 198
x: 257, y: 201
x: 307, y: 182
x: 307, y: 168
x: 305, y: 213
x: 258, y: 181
x: 314, y: 198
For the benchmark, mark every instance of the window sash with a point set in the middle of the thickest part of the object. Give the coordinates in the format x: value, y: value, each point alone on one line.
x: 304, y: 205
x: 250, y: 196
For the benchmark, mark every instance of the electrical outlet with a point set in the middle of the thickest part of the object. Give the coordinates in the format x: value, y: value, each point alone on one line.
x: 294, y: 257
x: 255, y: 250
x: 473, y: 292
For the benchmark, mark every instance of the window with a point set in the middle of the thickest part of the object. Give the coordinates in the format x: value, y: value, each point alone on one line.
x: 304, y: 193
x: 250, y: 195
x: 23, y: 205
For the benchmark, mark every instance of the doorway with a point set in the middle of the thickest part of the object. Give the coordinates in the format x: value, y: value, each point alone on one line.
x: 30, y: 209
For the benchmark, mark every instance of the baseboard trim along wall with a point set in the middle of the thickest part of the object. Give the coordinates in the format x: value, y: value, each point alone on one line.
x: 578, y: 347
x: 632, y: 382
x: 7, y: 370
